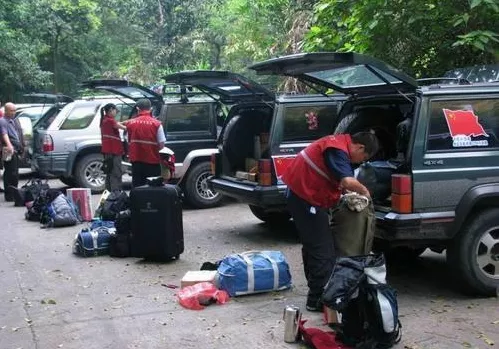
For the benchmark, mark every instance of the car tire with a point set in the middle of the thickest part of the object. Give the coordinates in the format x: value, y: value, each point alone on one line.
x: 272, y: 218
x: 89, y: 174
x: 69, y: 181
x: 474, y: 254
x: 197, y: 192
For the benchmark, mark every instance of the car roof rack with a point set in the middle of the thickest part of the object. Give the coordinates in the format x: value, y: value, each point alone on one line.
x: 443, y: 81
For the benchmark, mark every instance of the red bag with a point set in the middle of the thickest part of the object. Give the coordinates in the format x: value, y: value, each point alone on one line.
x: 198, y: 295
x: 320, y: 339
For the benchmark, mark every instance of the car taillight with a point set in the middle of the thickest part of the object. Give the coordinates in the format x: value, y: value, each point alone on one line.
x: 264, y: 172
x: 213, y: 160
x: 401, y: 193
x: 48, y: 144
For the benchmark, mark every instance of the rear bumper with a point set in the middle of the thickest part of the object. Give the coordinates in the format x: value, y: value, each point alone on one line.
x: 48, y: 165
x: 393, y: 226
x: 249, y: 193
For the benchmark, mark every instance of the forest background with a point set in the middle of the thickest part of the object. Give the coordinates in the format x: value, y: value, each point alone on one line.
x: 52, y: 45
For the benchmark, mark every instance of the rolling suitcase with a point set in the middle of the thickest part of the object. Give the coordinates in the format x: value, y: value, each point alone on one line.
x: 156, y: 222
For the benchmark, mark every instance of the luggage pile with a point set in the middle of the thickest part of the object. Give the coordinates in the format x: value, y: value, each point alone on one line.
x: 147, y: 224
x: 49, y: 207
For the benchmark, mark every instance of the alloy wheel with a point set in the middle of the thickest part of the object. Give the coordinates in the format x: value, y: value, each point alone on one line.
x: 487, y: 253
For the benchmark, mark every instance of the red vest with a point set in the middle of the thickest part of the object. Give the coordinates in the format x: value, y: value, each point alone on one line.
x: 111, y: 141
x: 142, y: 135
x: 310, y: 178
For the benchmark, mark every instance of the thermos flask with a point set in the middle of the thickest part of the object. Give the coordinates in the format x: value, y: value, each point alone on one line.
x: 291, y: 317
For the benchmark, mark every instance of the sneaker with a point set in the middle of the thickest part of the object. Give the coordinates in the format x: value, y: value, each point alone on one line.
x: 314, y: 305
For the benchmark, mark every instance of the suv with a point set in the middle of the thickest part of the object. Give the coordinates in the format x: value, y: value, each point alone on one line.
x: 190, y: 126
x: 440, y: 142
x: 67, y: 145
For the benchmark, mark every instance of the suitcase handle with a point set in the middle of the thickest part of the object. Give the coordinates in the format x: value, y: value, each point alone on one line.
x: 251, y: 271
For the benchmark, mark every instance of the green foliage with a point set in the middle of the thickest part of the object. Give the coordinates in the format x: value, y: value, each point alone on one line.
x: 55, y: 44
x: 423, y: 38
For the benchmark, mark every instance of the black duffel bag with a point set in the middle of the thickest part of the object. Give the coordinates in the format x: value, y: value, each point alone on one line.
x: 377, y: 177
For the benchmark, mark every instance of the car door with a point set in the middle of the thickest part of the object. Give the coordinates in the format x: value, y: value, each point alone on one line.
x: 460, y: 148
x: 190, y: 126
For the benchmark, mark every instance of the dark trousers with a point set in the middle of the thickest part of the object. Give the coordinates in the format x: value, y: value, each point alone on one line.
x: 141, y: 170
x: 114, y: 172
x: 317, y: 240
x: 10, y: 176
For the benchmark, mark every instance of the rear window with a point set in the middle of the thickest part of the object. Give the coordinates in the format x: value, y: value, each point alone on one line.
x: 46, y: 120
x: 465, y: 124
x: 188, y: 118
x: 308, y: 123
x: 80, y: 117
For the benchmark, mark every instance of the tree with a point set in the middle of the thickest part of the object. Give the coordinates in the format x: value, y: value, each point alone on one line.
x: 423, y: 38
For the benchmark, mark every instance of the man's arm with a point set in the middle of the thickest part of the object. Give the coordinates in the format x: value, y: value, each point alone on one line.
x: 161, y: 137
x: 5, y: 135
x: 352, y: 184
x: 341, y: 169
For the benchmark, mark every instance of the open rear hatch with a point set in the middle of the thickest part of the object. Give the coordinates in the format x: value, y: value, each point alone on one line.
x: 126, y: 89
x: 224, y: 86
x: 346, y: 72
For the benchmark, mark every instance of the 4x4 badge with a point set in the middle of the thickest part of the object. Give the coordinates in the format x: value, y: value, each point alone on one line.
x: 433, y: 162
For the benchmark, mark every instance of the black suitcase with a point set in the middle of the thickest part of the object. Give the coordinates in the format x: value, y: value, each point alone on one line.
x: 156, y: 220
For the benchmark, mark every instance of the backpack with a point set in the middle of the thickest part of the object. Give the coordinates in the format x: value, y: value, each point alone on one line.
x: 370, y: 321
x: 357, y: 289
x: 58, y: 212
x: 38, y: 208
x: 116, y: 202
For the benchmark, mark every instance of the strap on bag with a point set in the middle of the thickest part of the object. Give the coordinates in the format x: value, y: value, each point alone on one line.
x: 251, y: 271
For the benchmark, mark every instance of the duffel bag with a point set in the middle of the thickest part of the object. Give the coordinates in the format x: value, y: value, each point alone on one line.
x: 254, y: 272
x: 94, y: 242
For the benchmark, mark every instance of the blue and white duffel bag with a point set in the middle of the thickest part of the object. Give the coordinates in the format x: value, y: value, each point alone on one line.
x: 94, y: 240
x: 253, y: 272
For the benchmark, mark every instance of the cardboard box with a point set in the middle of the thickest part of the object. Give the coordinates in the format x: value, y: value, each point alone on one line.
x: 195, y: 277
x: 251, y: 165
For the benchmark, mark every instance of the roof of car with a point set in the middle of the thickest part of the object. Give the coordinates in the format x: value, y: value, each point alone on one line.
x: 486, y: 87
x: 309, y: 97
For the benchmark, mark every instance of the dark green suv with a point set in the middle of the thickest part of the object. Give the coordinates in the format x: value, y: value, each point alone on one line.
x: 436, y: 178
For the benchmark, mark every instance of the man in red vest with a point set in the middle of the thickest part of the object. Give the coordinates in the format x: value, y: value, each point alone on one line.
x: 146, y: 137
x: 315, y: 180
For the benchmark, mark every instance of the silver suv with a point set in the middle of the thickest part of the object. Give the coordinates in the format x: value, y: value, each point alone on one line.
x: 68, y: 145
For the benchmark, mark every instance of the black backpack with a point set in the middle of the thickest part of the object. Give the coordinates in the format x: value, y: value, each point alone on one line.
x: 116, y: 202
x: 370, y: 320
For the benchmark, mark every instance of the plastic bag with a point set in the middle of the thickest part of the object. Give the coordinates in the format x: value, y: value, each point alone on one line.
x: 197, y: 296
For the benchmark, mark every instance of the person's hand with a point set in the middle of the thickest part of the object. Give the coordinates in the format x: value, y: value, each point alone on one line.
x: 10, y: 148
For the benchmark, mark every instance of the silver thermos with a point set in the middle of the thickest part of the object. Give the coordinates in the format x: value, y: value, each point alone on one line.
x: 291, y: 317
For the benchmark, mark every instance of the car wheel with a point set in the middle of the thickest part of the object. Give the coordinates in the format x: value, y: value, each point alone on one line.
x: 89, y: 173
x: 198, y: 193
x: 270, y: 217
x: 474, y: 254
x: 69, y: 181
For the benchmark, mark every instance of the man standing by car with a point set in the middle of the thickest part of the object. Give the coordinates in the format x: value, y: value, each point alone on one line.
x: 146, y: 137
x: 315, y: 180
x: 13, y: 147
